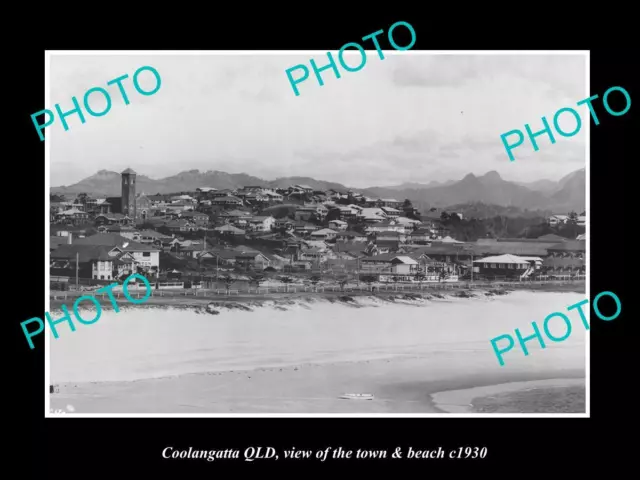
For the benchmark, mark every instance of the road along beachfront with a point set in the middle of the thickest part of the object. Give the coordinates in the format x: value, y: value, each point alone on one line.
x: 550, y: 336
x: 67, y: 317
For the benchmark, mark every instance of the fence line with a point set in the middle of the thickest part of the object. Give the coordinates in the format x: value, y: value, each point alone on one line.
x: 135, y: 293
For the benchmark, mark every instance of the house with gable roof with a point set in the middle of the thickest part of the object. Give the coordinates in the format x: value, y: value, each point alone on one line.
x: 146, y: 256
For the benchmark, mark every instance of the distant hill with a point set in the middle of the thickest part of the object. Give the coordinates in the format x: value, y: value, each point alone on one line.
x: 544, y: 185
x: 108, y: 183
x: 284, y: 182
x: 480, y: 210
x: 104, y: 182
x: 490, y: 189
x: 415, y: 186
x: 571, y: 194
x: 578, y: 175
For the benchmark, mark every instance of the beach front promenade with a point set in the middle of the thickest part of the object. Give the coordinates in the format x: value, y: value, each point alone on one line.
x: 199, y: 295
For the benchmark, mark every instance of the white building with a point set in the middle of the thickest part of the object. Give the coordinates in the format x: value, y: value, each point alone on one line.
x: 261, y: 223
x: 146, y: 256
x: 338, y: 225
x: 558, y: 219
x: 324, y: 234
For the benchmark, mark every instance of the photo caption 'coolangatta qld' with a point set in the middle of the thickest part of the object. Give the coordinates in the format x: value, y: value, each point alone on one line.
x: 348, y: 251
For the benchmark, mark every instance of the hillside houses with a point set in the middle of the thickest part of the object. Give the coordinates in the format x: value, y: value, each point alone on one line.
x: 295, y: 227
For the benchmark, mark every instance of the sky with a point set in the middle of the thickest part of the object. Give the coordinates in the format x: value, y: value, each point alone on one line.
x: 412, y: 117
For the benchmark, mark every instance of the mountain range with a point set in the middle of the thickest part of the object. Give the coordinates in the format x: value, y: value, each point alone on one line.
x: 560, y: 196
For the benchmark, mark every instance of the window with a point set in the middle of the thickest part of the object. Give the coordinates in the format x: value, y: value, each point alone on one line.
x: 146, y: 254
x: 101, y: 277
x: 493, y: 265
x: 95, y: 277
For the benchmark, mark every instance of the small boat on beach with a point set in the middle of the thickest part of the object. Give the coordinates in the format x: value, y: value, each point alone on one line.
x: 357, y: 396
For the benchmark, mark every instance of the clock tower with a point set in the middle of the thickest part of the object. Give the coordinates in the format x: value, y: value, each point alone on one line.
x: 129, y: 193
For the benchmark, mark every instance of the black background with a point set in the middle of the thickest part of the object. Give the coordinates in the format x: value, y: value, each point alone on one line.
x: 78, y: 448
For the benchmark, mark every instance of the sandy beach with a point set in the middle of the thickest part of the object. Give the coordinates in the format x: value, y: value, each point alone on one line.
x: 302, y: 356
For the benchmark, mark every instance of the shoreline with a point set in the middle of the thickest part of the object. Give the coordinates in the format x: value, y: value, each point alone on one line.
x: 186, y: 299
x: 303, y: 388
x: 272, y: 362
x: 461, y: 401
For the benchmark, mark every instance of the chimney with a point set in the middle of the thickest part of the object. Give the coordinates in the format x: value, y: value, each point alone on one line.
x: 69, y: 238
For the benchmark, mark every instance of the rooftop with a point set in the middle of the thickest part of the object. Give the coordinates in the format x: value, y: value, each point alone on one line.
x: 570, y: 245
x: 85, y: 253
x: 507, y: 258
x: 112, y: 240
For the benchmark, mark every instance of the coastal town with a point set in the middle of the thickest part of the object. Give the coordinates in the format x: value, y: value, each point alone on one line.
x: 366, y: 249
x: 229, y: 240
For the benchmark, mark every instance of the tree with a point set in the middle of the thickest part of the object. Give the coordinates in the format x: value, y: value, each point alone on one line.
x: 573, y: 217
x: 334, y: 214
x: 286, y: 280
x: 228, y: 281
x: 420, y: 276
x: 444, y: 216
x: 342, y: 281
x: 413, y: 214
x: 369, y: 280
x: 314, y: 280
x: 257, y: 279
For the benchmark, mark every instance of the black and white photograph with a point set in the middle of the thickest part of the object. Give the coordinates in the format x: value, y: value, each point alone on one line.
x: 365, y: 247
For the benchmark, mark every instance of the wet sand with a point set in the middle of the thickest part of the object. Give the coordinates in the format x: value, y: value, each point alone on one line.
x: 399, y: 385
x: 464, y: 401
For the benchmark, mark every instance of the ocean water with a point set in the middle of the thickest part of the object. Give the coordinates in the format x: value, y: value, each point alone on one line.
x: 146, y: 343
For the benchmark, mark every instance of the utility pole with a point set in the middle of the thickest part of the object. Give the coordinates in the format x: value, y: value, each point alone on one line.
x: 471, y: 267
x: 77, y: 260
x: 204, y: 244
